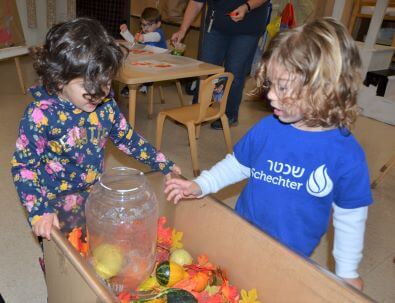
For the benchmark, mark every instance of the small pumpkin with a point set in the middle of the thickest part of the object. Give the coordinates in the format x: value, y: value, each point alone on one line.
x: 169, y: 273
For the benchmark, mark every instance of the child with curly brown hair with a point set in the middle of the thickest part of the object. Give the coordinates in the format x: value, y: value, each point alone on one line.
x: 63, y: 133
x: 302, y: 163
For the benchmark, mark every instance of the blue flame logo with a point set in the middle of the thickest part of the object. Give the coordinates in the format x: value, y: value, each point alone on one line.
x: 319, y: 183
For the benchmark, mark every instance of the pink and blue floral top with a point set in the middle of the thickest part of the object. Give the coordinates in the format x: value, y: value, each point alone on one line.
x: 60, y: 149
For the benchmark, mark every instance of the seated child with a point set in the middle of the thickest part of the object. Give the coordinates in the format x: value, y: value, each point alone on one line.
x: 150, y: 34
x: 63, y: 133
x: 302, y: 163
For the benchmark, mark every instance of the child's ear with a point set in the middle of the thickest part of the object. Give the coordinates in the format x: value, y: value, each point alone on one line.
x: 159, y: 23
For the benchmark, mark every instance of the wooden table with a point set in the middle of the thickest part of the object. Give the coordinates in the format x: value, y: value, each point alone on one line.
x: 134, y: 76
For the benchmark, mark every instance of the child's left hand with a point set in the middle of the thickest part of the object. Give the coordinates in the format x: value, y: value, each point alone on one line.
x: 356, y: 282
x: 239, y: 13
x: 174, y: 170
x: 139, y: 37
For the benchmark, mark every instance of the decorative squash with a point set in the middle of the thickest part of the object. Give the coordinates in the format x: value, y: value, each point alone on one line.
x: 169, y: 273
x: 171, y: 295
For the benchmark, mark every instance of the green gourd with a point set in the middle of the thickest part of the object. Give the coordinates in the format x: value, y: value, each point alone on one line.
x: 172, y: 295
x: 169, y: 273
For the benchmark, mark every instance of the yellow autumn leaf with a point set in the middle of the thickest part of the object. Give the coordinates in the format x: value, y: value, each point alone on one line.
x: 249, y: 297
x: 176, y: 237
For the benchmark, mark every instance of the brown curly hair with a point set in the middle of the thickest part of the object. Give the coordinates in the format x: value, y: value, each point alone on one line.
x: 325, y: 68
x: 80, y: 48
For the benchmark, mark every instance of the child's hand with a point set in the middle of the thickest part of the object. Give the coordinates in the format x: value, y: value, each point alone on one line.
x: 174, y: 170
x: 123, y: 28
x: 139, y: 37
x: 44, y: 225
x: 177, y: 189
x: 356, y: 282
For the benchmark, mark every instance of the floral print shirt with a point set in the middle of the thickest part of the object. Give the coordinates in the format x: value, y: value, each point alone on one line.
x: 60, y: 149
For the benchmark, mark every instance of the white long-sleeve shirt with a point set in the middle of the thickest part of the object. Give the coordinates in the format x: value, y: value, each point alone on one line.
x: 349, y: 224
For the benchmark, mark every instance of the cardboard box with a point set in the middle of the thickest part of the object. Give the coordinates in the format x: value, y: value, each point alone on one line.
x: 251, y: 258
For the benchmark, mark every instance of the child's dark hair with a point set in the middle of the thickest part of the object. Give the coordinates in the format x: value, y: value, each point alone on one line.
x: 80, y: 48
x: 151, y: 14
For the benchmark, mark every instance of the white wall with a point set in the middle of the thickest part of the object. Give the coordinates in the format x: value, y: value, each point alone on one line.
x: 35, y: 36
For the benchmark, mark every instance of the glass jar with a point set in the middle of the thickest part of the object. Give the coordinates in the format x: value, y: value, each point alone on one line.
x: 121, y: 219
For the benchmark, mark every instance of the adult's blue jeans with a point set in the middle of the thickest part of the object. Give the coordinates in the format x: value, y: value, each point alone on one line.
x: 235, y: 52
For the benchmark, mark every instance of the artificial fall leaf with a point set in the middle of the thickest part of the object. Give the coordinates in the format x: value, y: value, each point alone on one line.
x: 212, y: 289
x: 229, y: 292
x: 186, y: 284
x: 205, y: 297
x: 176, y: 237
x: 249, y: 297
x: 124, y: 297
x: 164, y: 233
x: 75, y: 240
x: 162, y: 254
x: 203, y: 262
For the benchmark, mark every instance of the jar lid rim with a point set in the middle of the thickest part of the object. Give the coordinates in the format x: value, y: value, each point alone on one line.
x: 121, y: 168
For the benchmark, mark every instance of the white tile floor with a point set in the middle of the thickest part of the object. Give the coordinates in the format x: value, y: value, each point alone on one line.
x: 21, y: 279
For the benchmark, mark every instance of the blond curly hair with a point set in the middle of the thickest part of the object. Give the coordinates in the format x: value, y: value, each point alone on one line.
x: 325, y: 68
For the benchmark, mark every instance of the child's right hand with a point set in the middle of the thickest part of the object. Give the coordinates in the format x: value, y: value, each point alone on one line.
x: 44, y: 225
x: 123, y: 28
x: 177, y: 189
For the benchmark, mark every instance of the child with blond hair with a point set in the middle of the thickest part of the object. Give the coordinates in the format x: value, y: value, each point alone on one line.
x: 302, y: 163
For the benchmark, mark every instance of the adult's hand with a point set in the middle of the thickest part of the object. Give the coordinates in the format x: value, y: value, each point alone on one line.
x: 239, y: 13
x: 178, y: 36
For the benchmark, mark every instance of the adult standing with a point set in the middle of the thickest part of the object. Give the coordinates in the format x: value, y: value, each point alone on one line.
x: 233, y: 28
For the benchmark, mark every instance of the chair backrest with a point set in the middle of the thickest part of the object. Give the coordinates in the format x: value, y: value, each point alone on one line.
x: 213, y: 92
x: 357, y: 11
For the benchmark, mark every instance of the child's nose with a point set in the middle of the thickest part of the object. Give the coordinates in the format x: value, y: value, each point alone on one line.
x: 271, y: 94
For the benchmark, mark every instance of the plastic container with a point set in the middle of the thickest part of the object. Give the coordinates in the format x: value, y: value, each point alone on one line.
x: 121, y: 219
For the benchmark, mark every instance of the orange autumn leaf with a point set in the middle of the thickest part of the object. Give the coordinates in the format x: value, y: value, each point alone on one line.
x: 203, y: 262
x: 164, y: 233
x: 124, y: 297
x: 201, y: 279
x: 229, y: 292
x: 205, y: 297
x: 186, y: 284
x: 75, y: 240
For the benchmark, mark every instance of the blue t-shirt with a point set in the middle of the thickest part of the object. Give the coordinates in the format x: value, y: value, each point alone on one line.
x: 295, y: 177
x: 162, y: 42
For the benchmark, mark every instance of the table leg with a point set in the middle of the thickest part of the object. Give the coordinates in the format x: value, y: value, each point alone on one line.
x: 19, y: 72
x: 132, y: 103
x: 179, y: 92
x: 150, y: 101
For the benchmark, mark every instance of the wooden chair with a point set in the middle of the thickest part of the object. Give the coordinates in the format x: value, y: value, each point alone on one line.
x: 357, y: 12
x: 192, y: 116
x: 150, y: 96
